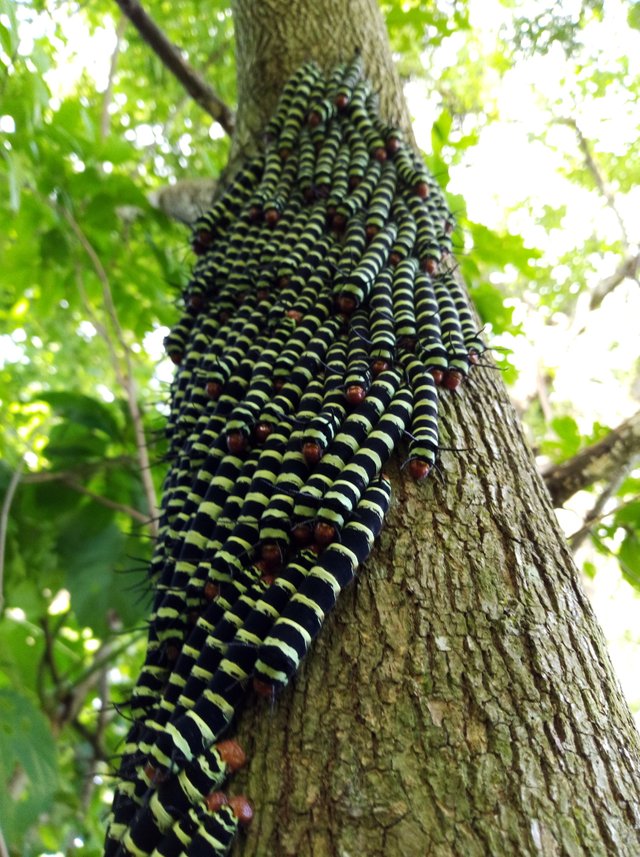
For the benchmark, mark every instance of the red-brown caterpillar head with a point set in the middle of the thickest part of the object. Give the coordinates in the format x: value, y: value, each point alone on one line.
x: 302, y: 535
x: 325, y: 533
x: 430, y: 265
x: 346, y: 303
x: 452, y: 379
x: 264, y: 689
x: 419, y: 469
x: 232, y: 755
x: 214, y: 389
x: 236, y: 442
x: 242, y: 809
x: 262, y: 431
x: 272, y: 555
x: 215, y: 800
x: 379, y: 366
x: 312, y: 452
x: 355, y: 395
x: 211, y: 590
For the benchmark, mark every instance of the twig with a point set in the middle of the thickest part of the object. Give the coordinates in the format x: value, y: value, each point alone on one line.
x: 627, y: 269
x: 601, y: 462
x: 4, y: 523
x: 4, y: 851
x: 576, y: 539
x: 108, y: 93
x: 61, y: 475
x: 200, y: 91
x: 599, y: 179
x: 105, y: 501
x: 124, y: 378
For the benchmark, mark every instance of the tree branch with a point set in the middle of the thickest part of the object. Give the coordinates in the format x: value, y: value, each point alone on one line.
x: 108, y: 93
x: 124, y: 378
x: 627, y: 269
x: 4, y: 523
x: 185, y: 200
x: 200, y: 91
x: 602, y: 461
x: 596, y: 514
x: 594, y: 169
x: 105, y: 501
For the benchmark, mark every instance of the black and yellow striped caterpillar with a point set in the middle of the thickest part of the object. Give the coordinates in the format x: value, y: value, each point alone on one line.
x: 321, y: 318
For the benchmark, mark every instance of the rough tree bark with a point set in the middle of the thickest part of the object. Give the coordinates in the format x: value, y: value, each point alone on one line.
x: 460, y: 700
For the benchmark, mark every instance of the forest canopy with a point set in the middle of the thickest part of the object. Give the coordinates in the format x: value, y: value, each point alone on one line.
x: 528, y: 118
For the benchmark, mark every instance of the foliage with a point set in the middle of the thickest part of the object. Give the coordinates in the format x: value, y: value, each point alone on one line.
x: 91, y: 275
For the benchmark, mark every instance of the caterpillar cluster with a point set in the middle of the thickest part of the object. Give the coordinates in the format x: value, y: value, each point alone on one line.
x: 321, y: 317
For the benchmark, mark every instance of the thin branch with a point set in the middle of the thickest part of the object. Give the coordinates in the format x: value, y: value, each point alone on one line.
x: 125, y: 378
x: 4, y: 523
x: 57, y: 475
x: 601, y: 462
x: 108, y: 93
x: 185, y: 200
x: 594, y: 169
x: 200, y: 91
x: 4, y: 851
x: 576, y: 539
x: 109, y: 504
x: 627, y: 269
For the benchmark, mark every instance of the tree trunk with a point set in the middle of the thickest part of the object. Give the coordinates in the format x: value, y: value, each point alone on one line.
x: 460, y: 700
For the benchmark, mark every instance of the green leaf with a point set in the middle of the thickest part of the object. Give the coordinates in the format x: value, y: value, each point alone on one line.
x: 28, y: 765
x: 489, y: 301
x: 629, y: 557
x: 83, y: 410
x: 566, y: 428
x: 440, y: 131
x: 71, y: 444
x: 629, y: 515
x: 92, y: 549
x: 633, y: 16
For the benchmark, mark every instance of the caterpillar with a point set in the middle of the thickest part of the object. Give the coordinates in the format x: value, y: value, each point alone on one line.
x: 321, y: 428
x: 342, y: 497
x: 216, y: 833
x: 403, y: 303
x: 280, y: 654
x: 358, y: 376
x: 176, y: 796
x: 355, y: 288
x: 208, y: 227
x: 326, y: 159
x: 381, y: 322
x: 339, y: 180
x: 345, y: 444
x: 381, y: 202
x: 297, y: 110
x: 319, y: 318
x: 432, y: 350
x: 349, y: 79
x: 458, y: 365
x: 474, y: 345
x: 423, y: 448
x: 360, y: 117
